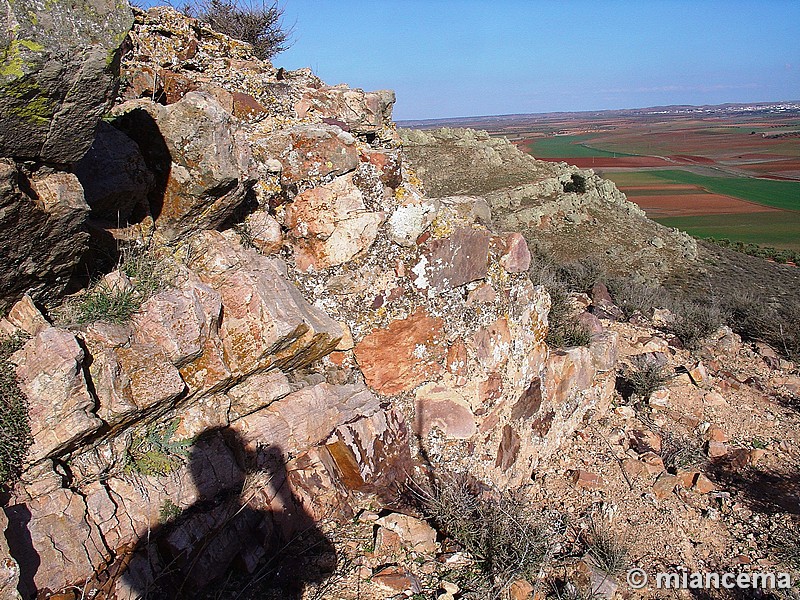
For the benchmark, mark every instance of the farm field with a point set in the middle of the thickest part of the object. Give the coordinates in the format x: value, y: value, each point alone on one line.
x: 731, y: 171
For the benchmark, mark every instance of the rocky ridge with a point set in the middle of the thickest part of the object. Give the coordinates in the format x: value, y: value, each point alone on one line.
x: 328, y: 327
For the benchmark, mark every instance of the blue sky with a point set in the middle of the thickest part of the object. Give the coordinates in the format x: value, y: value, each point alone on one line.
x: 447, y: 58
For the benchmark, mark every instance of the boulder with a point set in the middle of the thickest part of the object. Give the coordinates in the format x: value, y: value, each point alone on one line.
x: 311, y: 152
x: 450, y: 262
x: 330, y: 224
x: 266, y: 321
x: 59, y: 74
x: 402, y: 355
x: 201, y: 171
x: 438, y: 406
x: 53, y: 540
x: 50, y: 372
x: 114, y: 176
x: 362, y: 112
x: 42, y: 236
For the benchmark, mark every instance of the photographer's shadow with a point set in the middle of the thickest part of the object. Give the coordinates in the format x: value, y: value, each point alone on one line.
x: 245, y: 536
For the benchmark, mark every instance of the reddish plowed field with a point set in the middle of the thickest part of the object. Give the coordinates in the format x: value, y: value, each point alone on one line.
x: 684, y: 205
x: 692, y: 160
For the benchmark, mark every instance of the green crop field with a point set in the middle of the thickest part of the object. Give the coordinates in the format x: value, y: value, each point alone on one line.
x: 778, y: 229
x: 779, y: 194
x: 566, y: 146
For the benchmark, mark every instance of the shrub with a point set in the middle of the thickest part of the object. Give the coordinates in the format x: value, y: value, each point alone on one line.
x: 633, y: 296
x: 577, y: 185
x: 695, y: 321
x: 15, y: 429
x: 256, y: 22
x: 606, y: 549
x: 643, y: 378
x: 497, y: 528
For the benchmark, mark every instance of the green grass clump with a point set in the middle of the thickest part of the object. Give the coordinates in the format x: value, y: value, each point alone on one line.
x: 118, y: 302
x: 15, y: 428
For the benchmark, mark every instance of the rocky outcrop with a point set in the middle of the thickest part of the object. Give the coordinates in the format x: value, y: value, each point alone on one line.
x: 322, y: 325
x: 43, y: 238
x: 58, y: 76
x: 527, y: 195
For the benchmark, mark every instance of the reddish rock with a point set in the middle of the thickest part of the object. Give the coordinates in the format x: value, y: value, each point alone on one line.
x: 716, y: 434
x: 330, y: 224
x: 665, y: 485
x: 305, y: 418
x: 25, y: 316
x: 311, y: 152
x: 493, y: 345
x: 601, y: 294
x: 132, y: 379
x: 717, y: 449
x: 441, y: 407
x: 483, y: 294
x: 703, y: 485
x: 644, y: 440
x: 529, y: 402
x: 604, y: 349
x: 264, y: 232
x: 179, y: 321
x: 590, y: 322
x: 372, y: 453
x: 363, y: 112
x: 50, y: 372
x: 53, y: 528
x: 652, y: 462
x: 457, y: 358
x: 198, y: 163
x: 388, y: 162
x: 415, y: 534
x: 634, y: 468
x: 509, y: 448
x: 245, y: 106
x: 517, y: 256
x: 402, y: 355
x: 175, y: 85
x: 397, y: 579
x: 261, y: 309
x: 520, y: 590
x: 387, y: 543
x: 491, y: 389
x: 566, y: 372
x: 586, y: 480
x: 453, y: 261
x: 256, y: 392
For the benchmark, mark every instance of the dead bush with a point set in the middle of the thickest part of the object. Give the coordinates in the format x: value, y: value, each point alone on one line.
x: 256, y: 22
x: 499, y: 530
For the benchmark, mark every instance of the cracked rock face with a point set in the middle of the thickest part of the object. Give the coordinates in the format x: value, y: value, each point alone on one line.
x: 58, y: 77
x: 42, y: 235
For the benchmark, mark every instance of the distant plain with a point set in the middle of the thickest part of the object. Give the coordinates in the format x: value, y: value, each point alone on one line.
x: 722, y: 172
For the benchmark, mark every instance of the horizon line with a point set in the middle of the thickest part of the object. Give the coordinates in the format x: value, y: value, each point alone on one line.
x: 600, y: 110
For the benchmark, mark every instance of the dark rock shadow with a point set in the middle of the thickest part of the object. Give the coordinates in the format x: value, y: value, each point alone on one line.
x: 141, y: 127
x: 20, y: 546
x: 236, y: 540
x: 765, y: 492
